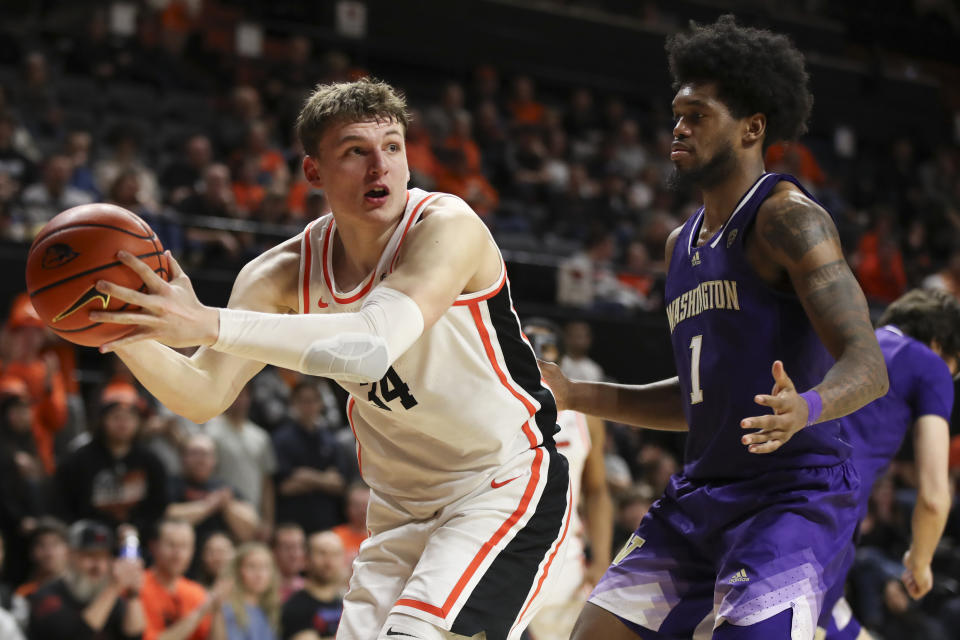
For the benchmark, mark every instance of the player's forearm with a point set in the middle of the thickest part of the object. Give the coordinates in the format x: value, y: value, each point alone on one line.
x: 928, y: 522
x: 599, y: 524
x: 857, y: 378
x: 657, y: 405
x: 175, y: 380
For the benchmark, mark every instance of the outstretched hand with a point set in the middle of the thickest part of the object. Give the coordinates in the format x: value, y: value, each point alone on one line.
x: 790, y: 413
x: 169, y: 311
x: 557, y: 382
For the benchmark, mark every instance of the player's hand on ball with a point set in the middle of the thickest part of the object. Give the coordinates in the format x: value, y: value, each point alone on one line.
x: 790, y: 414
x: 169, y: 311
x: 557, y: 382
x: 917, y: 578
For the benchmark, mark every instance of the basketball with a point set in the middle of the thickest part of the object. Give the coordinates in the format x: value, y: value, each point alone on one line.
x: 73, y: 251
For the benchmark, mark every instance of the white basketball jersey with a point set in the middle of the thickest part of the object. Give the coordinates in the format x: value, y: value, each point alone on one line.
x: 461, y: 401
x: 573, y: 441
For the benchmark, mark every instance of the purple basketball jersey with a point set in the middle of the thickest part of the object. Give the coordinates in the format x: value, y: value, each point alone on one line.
x: 727, y: 327
x: 920, y: 384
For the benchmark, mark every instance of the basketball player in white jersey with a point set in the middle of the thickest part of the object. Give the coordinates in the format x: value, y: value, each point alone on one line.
x: 581, y: 440
x: 401, y: 297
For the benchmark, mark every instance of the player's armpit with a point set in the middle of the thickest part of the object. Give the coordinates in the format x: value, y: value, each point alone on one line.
x: 448, y: 253
x: 797, y: 234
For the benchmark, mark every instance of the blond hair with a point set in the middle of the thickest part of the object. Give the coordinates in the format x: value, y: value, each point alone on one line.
x: 269, y: 602
x: 360, y: 101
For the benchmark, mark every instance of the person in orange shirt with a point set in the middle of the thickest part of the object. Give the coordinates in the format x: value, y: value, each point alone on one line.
x: 796, y: 159
x: 523, y: 105
x: 177, y: 608
x: 20, y: 357
x: 354, y: 530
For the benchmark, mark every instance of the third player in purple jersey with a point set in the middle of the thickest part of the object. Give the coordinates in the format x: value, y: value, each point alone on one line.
x: 920, y: 340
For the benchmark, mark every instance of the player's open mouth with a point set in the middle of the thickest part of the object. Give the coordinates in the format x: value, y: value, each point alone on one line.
x: 378, y: 194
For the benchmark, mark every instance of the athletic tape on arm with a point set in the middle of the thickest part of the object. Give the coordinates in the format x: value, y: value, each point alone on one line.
x: 353, y: 347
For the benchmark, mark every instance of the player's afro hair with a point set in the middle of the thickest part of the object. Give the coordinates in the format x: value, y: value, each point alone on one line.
x: 755, y: 71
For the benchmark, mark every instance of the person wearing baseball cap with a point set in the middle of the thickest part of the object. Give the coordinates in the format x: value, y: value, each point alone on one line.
x: 97, y: 597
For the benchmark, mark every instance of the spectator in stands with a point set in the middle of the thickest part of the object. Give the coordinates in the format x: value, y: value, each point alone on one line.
x: 421, y: 160
x: 576, y: 363
x: 879, y: 262
x: 124, y: 150
x: 21, y: 357
x: 77, y: 148
x: 22, y: 476
x: 458, y: 178
x: 354, y: 530
x: 269, y: 164
x: 206, y: 502
x: 796, y: 159
x: 248, y: 193
x: 114, y: 478
x: 245, y: 458
x: 947, y: 278
x: 245, y: 109
x: 313, y: 613
x: 630, y: 156
x: 582, y: 124
x: 216, y: 552
x: 252, y: 611
x: 39, y: 101
x: 49, y: 548
x: 175, y: 607
x: 125, y: 192
x: 523, y: 106
x: 440, y: 119
x: 311, y: 466
x: 182, y: 177
x: 52, y: 194
x: 638, y: 276
x: 13, y: 162
x: 9, y: 629
x: 215, y: 199
x: 587, y: 277
x: 97, y: 597
x: 632, y: 505
x: 289, y: 553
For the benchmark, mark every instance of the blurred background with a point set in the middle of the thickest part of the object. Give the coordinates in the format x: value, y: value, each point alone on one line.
x: 551, y: 118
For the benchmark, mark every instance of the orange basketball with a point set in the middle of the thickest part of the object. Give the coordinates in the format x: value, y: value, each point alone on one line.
x: 75, y: 250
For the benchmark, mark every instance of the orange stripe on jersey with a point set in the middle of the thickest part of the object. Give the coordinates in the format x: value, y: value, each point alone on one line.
x: 466, y: 298
x: 413, y: 216
x: 546, y: 569
x: 350, y: 404
x: 329, y: 281
x: 488, y: 347
x: 307, y: 266
x: 441, y: 612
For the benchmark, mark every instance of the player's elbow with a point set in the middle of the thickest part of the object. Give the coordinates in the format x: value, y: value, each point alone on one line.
x: 359, y: 358
x: 936, y: 502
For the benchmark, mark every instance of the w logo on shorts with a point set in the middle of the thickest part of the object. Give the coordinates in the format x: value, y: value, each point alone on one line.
x: 739, y: 576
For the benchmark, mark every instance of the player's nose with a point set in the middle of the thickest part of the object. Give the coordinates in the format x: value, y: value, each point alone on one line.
x: 378, y: 164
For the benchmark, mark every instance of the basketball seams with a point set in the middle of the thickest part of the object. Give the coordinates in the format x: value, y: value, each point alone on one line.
x: 154, y: 240
x: 79, y: 225
x: 88, y: 272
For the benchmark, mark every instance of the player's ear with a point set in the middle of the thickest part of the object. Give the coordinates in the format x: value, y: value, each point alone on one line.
x: 755, y: 128
x: 311, y: 173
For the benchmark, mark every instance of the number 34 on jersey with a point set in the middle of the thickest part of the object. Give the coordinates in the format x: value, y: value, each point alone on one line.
x: 390, y: 388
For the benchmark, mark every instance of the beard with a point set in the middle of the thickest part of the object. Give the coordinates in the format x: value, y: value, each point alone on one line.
x: 83, y: 587
x: 710, y: 174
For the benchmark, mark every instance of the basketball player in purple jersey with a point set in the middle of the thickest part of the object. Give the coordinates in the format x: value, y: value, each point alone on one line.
x: 743, y: 543
x: 919, y: 336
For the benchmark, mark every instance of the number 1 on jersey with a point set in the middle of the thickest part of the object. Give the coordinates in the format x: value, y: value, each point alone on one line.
x: 696, y: 393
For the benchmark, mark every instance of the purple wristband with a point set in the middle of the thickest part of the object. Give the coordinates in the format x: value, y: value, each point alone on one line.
x: 814, y: 406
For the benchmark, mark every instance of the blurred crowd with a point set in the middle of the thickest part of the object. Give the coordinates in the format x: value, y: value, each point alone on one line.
x: 247, y: 524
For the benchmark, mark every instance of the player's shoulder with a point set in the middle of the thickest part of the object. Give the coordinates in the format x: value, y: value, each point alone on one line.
x: 269, y: 281
x: 448, y: 215
x: 448, y: 207
x: 922, y: 359
x: 671, y: 243
x: 789, y: 222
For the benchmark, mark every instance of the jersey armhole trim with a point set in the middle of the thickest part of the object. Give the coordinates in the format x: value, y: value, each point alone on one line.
x: 306, y: 266
x: 484, y: 294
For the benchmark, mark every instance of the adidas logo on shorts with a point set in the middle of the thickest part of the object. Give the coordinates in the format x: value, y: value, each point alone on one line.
x: 739, y: 576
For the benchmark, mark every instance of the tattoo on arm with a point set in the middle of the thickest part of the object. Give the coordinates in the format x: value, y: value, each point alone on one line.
x: 795, y: 227
x: 838, y: 310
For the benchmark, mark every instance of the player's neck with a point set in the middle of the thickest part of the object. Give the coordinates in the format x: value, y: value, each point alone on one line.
x: 357, y: 249
x: 720, y: 201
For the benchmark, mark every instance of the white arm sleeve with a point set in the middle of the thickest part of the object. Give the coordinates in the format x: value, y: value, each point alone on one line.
x: 353, y: 347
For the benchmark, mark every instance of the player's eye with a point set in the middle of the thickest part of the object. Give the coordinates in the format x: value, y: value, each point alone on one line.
x: 393, y: 147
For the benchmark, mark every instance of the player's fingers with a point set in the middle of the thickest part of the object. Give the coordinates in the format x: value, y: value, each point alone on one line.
x: 768, y: 422
x: 127, y: 295
x: 780, y: 376
x: 766, y: 447
x: 774, y: 402
x: 136, y: 336
x: 175, y: 270
x: 142, y: 269
x: 126, y: 317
